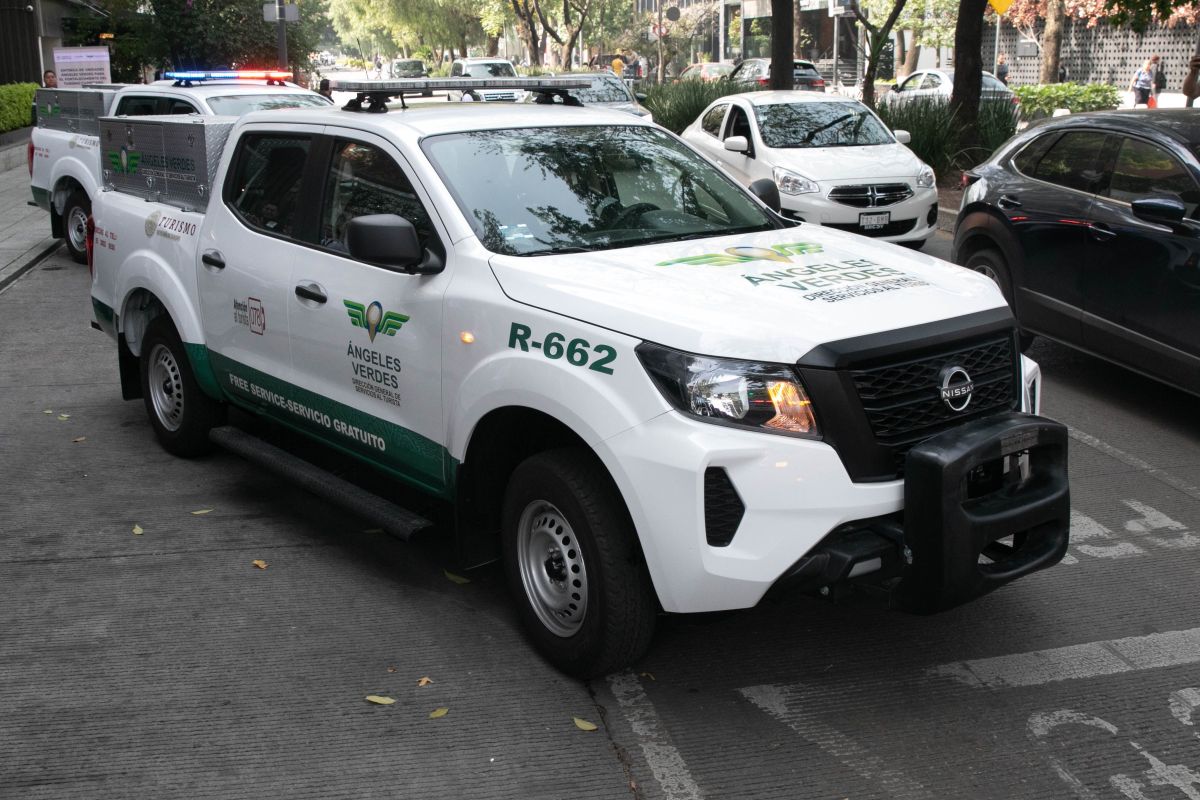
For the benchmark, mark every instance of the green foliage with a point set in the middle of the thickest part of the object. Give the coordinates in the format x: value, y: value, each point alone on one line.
x: 16, y: 106
x: 676, y: 105
x: 1040, y: 101
x: 935, y: 132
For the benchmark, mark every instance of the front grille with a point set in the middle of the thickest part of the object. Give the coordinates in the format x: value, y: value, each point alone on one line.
x: 903, y: 403
x: 492, y: 97
x: 873, y: 195
x: 896, y: 227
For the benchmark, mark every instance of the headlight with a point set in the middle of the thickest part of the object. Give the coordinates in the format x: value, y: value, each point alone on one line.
x: 791, y: 183
x: 925, y: 178
x: 749, y: 394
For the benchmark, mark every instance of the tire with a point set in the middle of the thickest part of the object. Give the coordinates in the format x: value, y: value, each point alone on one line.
x: 573, y: 564
x: 991, y: 262
x: 180, y: 413
x: 916, y: 244
x: 75, y: 217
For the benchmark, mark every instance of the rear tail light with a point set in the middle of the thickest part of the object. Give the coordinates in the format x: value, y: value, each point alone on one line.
x: 29, y: 156
x: 818, y: 84
x: 968, y: 178
x: 763, y: 81
x: 90, y: 246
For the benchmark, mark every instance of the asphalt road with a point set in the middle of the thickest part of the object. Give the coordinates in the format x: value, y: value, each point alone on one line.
x: 164, y: 664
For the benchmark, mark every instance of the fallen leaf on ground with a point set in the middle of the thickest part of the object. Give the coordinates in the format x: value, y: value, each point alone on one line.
x: 258, y: 562
x: 64, y: 416
x: 201, y: 511
x: 137, y: 530
x: 584, y: 725
x: 459, y: 579
x: 79, y: 439
x: 439, y: 712
x: 649, y: 675
x: 47, y: 411
x: 380, y: 700
x: 391, y: 668
x: 424, y: 681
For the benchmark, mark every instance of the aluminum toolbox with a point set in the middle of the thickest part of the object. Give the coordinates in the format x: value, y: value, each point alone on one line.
x: 74, y: 110
x: 168, y: 159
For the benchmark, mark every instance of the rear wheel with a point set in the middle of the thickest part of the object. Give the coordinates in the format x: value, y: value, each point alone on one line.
x: 75, y: 217
x: 574, y: 566
x: 180, y: 413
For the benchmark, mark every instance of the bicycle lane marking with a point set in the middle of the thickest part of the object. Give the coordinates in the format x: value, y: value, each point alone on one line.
x: 664, y: 759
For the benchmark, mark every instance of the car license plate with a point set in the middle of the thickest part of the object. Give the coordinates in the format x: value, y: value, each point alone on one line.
x: 873, y: 222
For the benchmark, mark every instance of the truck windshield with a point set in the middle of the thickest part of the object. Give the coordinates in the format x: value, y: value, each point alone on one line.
x: 537, y: 191
x: 235, y: 105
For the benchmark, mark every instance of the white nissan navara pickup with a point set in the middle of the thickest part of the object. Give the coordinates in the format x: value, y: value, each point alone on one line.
x: 627, y: 375
x: 65, y: 169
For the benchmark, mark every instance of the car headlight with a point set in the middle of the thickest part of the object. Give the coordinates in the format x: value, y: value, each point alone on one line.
x: 791, y: 183
x: 748, y: 394
x: 925, y: 177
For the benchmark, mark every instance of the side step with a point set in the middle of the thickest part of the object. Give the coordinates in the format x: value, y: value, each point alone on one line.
x: 399, y: 522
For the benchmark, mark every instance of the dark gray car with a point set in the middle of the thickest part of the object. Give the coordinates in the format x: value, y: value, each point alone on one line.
x: 1089, y: 225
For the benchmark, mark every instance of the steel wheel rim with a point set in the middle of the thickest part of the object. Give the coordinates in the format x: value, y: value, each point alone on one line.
x: 988, y: 270
x: 552, y: 569
x: 166, y: 387
x: 77, y: 228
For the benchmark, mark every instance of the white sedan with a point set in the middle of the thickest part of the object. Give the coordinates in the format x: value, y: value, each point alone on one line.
x: 834, y: 161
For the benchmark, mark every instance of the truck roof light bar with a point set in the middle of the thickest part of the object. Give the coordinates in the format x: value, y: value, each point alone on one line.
x: 376, y: 93
x: 187, y: 77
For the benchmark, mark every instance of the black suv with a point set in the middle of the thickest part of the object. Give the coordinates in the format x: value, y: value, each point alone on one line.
x: 805, y: 74
x: 1089, y: 225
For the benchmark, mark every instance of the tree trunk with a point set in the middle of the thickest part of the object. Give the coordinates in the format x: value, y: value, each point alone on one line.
x: 1052, y: 40
x: 782, y: 15
x: 968, y: 71
x: 876, y: 39
x: 898, y: 56
x: 911, y: 58
x: 493, y: 46
x: 797, y: 32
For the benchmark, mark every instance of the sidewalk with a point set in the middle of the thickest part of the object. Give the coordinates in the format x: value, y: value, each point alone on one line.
x: 24, y: 229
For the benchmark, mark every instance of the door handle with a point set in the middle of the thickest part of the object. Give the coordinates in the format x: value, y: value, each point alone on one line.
x: 1008, y: 201
x: 1100, y: 232
x: 213, y: 258
x: 311, y: 291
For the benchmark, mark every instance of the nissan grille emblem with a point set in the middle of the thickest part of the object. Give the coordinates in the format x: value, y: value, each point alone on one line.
x: 956, y: 387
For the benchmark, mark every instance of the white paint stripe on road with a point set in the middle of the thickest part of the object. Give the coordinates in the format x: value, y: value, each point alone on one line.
x: 1092, y: 660
x: 783, y: 703
x: 665, y: 762
x: 1135, y: 462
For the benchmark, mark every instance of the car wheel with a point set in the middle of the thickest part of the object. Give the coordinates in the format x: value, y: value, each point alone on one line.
x: 991, y: 262
x: 180, y: 413
x: 574, y: 566
x: 75, y: 217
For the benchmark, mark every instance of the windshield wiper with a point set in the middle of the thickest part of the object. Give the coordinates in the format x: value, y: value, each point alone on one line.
x: 683, y: 237
x: 826, y: 126
x: 554, y: 251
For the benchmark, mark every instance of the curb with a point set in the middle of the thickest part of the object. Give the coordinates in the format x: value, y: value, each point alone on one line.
x: 36, y: 258
x: 946, y: 218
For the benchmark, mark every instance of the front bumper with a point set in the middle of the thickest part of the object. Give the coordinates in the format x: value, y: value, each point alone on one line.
x: 914, y: 219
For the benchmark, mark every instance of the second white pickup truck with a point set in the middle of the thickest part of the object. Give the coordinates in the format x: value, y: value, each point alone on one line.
x: 627, y: 376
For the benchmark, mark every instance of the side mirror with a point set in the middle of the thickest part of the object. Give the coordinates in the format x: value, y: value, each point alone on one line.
x: 737, y: 144
x: 1160, y: 210
x: 903, y: 137
x: 641, y: 96
x: 766, y: 190
x: 895, y: 87
x: 386, y: 240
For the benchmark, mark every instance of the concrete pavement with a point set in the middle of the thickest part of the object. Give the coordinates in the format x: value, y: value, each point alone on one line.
x: 24, y: 229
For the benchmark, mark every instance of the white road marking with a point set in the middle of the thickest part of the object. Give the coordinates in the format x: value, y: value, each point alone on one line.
x: 783, y: 703
x: 1086, y: 529
x: 1154, y: 520
x: 1183, y: 703
x: 1091, y: 660
x: 1135, y: 462
x: 666, y: 763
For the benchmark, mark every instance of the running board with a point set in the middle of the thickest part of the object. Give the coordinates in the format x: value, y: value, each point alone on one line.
x: 399, y: 522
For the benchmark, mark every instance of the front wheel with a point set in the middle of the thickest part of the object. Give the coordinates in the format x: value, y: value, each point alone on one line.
x: 180, y: 413
x: 991, y: 262
x: 574, y: 566
x: 75, y: 217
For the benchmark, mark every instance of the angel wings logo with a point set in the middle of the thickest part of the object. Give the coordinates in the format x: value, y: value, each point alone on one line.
x: 374, y: 318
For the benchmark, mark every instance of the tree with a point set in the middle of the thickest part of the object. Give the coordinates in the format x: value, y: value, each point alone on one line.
x: 968, y: 70
x: 783, y: 14
x: 877, y: 36
x: 1051, y: 45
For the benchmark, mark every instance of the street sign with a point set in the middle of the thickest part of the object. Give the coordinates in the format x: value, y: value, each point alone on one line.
x: 1000, y: 6
x: 76, y: 66
x: 812, y: 5
x: 841, y: 8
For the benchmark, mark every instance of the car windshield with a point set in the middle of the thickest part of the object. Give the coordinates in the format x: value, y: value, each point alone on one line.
x: 604, y: 89
x: 819, y: 125
x: 234, y: 105
x: 408, y: 68
x: 495, y: 69
x: 539, y: 191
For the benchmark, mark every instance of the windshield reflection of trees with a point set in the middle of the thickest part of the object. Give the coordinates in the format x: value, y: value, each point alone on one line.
x: 819, y: 125
x: 572, y: 189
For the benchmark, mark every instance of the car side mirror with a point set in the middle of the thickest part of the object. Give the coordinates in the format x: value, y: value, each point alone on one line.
x: 390, y: 241
x: 903, y: 137
x: 737, y: 144
x: 641, y: 97
x: 766, y: 190
x: 895, y: 87
x: 1160, y: 210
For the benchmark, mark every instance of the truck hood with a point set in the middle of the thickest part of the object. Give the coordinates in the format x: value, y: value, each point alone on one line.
x: 770, y: 296
x: 849, y: 163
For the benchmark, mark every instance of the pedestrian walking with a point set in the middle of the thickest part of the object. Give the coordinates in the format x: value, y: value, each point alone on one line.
x: 1002, y: 68
x: 1142, y: 84
x: 1160, y: 75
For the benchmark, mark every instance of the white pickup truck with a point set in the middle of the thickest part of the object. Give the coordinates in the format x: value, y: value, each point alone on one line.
x: 64, y: 153
x: 631, y: 380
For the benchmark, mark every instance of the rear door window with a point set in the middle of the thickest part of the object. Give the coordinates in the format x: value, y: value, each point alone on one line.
x: 1073, y: 161
x: 264, y: 190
